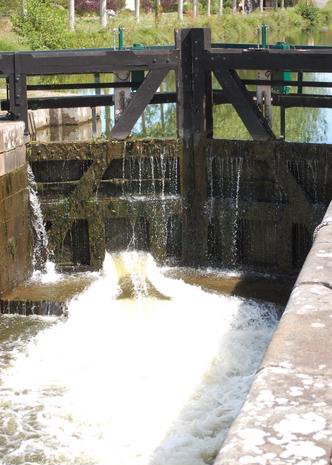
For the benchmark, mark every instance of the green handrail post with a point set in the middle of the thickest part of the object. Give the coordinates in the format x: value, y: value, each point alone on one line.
x: 121, y: 37
x: 264, y: 29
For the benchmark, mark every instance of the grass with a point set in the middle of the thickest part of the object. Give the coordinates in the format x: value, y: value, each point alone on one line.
x: 228, y: 28
x: 9, y: 40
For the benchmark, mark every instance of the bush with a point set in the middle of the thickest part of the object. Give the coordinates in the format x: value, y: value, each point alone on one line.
x: 92, y: 6
x: 44, y: 26
x: 309, y: 12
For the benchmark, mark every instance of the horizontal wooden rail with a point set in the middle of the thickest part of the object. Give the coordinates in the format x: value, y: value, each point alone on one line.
x: 306, y: 60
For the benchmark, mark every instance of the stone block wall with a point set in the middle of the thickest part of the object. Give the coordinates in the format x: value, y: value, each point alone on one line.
x: 15, y: 233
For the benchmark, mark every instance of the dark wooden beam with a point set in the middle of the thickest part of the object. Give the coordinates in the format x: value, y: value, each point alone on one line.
x: 92, y: 61
x: 137, y: 104
x: 272, y: 59
x: 291, y: 100
x: 84, y: 101
x: 6, y: 63
x: 243, y: 103
x: 296, y: 83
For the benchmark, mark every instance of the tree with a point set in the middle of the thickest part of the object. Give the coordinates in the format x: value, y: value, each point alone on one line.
x: 208, y: 8
x: 71, y: 15
x: 195, y: 8
x: 180, y: 10
x: 24, y: 7
x: 103, y: 16
x: 137, y: 7
x: 221, y: 7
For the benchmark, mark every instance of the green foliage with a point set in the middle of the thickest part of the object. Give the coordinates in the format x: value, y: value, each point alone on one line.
x: 326, y: 13
x: 309, y: 12
x: 9, y: 7
x: 44, y: 26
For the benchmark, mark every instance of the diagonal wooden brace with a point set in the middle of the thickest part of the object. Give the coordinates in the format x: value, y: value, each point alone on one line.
x: 138, y: 103
x: 248, y: 111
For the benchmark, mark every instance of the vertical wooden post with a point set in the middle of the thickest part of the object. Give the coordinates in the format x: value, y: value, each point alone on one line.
x: 282, y: 122
x: 18, y: 100
x: 300, y: 80
x: 194, y: 119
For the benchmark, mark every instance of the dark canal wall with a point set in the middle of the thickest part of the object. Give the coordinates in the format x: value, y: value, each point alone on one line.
x: 15, y: 235
x: 250, y: 204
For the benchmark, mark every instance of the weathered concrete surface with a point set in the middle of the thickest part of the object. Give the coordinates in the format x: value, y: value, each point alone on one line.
x: 11, y: 135
x: 15, y: 236
x: 287, y: 417
x: 54, y: 117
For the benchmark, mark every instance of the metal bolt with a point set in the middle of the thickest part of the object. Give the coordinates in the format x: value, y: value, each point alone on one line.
x: 154, y: 60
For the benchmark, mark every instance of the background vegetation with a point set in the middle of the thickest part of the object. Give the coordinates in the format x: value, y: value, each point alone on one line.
x: 45, y: 26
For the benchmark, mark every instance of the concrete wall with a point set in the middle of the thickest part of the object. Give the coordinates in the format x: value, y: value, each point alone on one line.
x: 287, y: 417
x: 58, y: 117
x: 15, y: 235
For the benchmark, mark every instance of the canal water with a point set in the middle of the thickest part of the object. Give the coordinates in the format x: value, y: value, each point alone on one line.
x: 145, y: 369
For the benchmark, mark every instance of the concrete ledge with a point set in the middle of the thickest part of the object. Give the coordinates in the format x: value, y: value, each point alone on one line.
x: 11, y: 135
x: 287, y: 417
x: 12, y: 160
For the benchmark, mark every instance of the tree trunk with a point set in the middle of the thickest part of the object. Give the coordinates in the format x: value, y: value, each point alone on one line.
x: 195, y: 8
x: 103, y: 16
x: 180, y: 10
x: 208, y: 12
x: 137, y: 7
x: 261, y: 5
x: 282, y: 4
x: 221, y: 7
x: 157, y: 10
x: 234, y: 6
x: 71, y: 14
x: 24, y: 8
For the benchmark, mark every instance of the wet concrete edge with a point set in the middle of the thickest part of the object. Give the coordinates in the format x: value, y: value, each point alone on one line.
x: 287, y: 416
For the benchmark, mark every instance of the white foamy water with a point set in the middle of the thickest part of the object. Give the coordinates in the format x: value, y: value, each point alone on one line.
x: 141, y: 381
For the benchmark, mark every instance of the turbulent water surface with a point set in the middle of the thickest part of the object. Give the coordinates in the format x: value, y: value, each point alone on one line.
x: 145, y: 370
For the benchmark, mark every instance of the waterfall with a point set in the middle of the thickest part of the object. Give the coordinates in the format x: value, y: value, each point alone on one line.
x: 236, y: 171
x: 210, y: 201
x: 42, y: 265
x: 163, y: 167
x: 153, y: 180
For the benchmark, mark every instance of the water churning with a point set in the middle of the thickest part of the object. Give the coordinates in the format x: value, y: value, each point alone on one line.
x: 145, y: 370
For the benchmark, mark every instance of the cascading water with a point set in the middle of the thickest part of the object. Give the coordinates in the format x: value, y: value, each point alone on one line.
x: 236, y: 175
x: 42, y: 264
x: 155, y: 380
